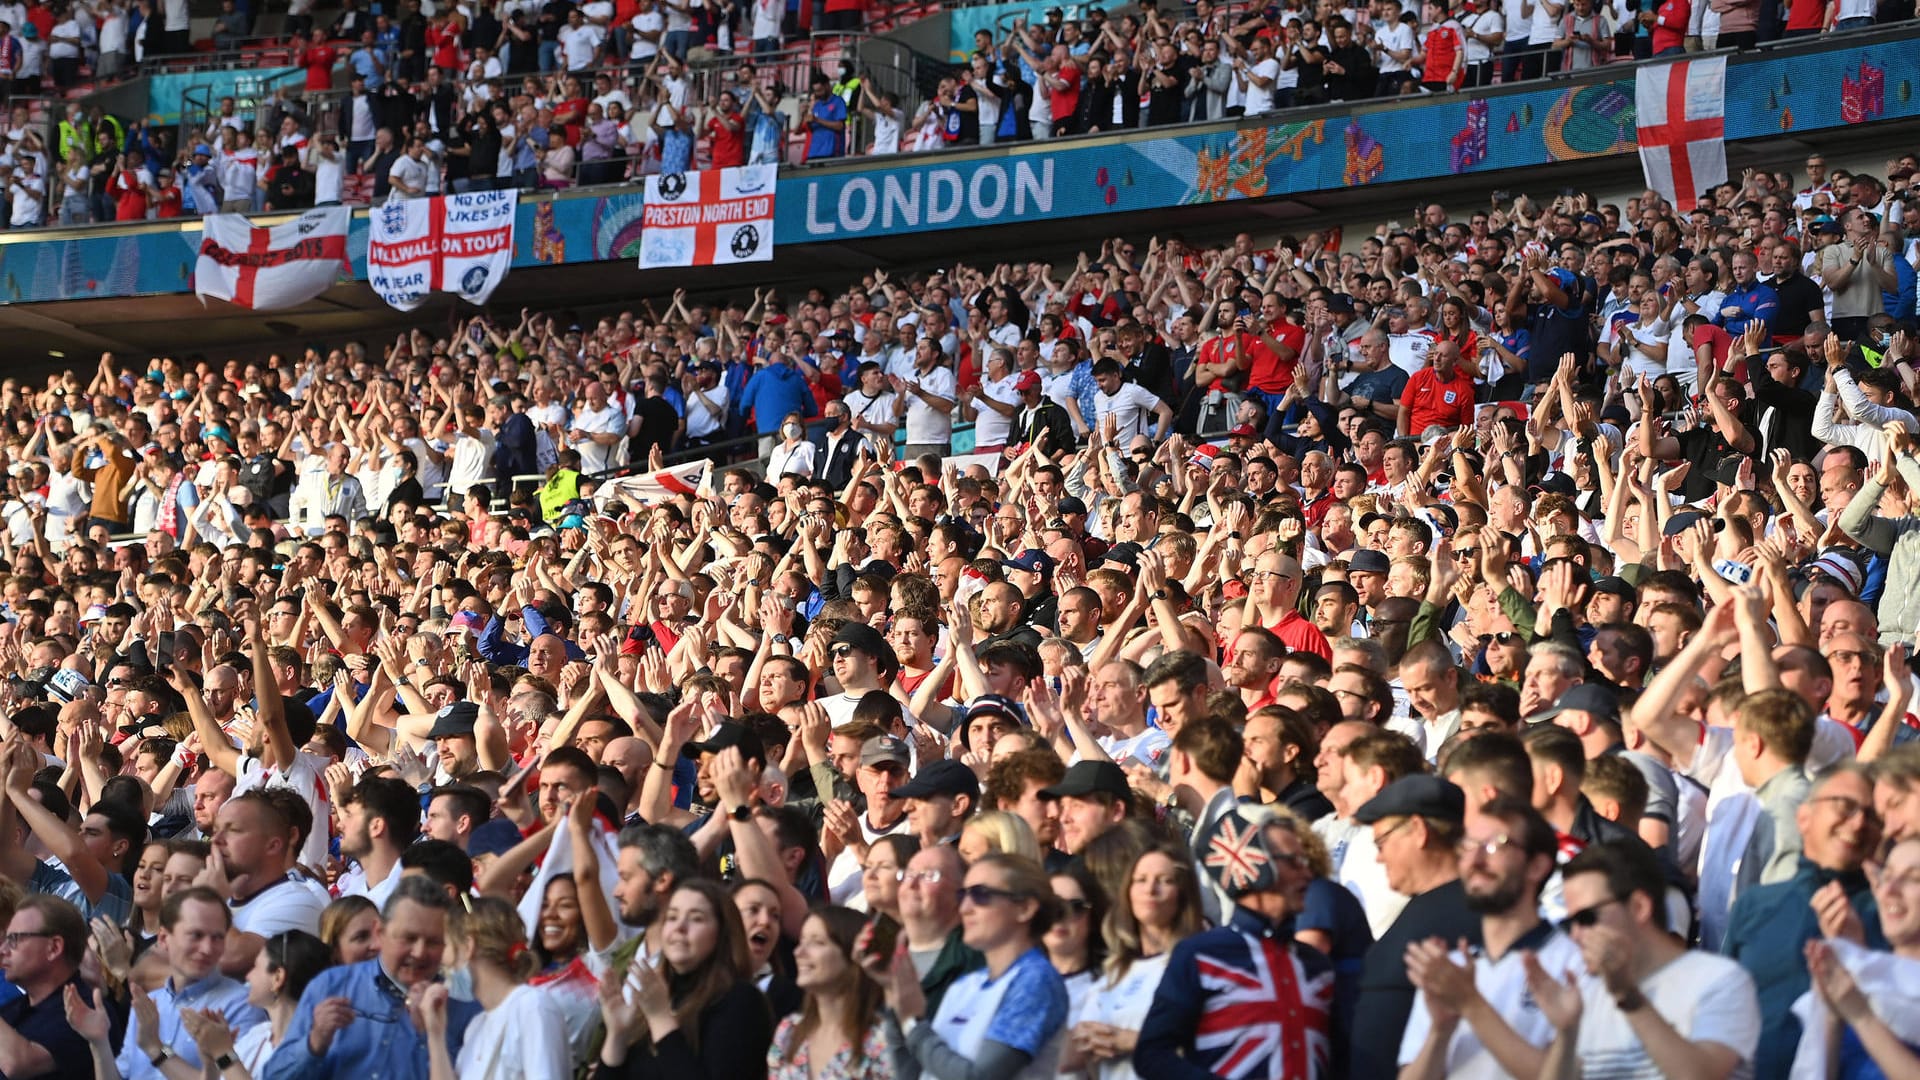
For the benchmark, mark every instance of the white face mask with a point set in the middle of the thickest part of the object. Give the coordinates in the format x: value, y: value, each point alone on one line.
x: 791, y: 431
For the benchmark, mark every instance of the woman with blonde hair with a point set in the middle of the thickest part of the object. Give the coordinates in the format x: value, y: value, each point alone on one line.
x: 1000, y: 832
x: 840, y: 1032
x: 1160, y: 907
x: 522, y: 1033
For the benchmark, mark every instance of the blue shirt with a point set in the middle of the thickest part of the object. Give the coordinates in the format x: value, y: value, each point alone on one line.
x: 1756, y: 301
x: 226, y: 996
x: 1900, y: 302
x: 364, y: 65
x: 380, y: 1044
x: 824, y: 142
x: 1767, y: 932
x: 774, y: 391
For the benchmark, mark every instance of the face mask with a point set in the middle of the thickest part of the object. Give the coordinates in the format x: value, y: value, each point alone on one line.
x: 460, y: 983
x: 792, y: 431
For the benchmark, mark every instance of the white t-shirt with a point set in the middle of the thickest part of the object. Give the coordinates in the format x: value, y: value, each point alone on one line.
x: 1707, y: 998
x: 1260, y: 98
x: 1518, y: 19
x: 293, y: 903
x: 1503, y: 983
x: 580, y: 43
x: 1396, y: 36
x: 646, y: 22
x: 308, y: 779
x: 522, y: 1038
x: 1124, y: 1005
x: 471, y: 457
x: 989, y: 427
x: 767, y: 15
x: 410, y: 172
x: 1491, y: 22
x: 925, y: 423
x: 611, y: 420
x: 1132, y: 408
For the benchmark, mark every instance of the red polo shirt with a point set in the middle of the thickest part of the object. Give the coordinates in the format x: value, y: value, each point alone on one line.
x: 1432, y: 400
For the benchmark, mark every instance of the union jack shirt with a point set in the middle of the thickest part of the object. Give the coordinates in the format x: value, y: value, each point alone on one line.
x: 1242, y: 1002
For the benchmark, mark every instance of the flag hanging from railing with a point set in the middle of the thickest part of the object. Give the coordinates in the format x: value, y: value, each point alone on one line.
x: 453, y: 243
x: 710, y: 218
x: 1680, y: 111
x: 269, y: 269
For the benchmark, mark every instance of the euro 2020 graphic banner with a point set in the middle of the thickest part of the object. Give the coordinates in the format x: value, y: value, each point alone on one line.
x: 455, y: 243
x: 711, y: 218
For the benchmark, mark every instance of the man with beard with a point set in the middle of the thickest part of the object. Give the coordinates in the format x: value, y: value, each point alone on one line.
x: 653, y: 860
x: 1771, y: 924
x: 380, y: 818
x: 1474, y: 1016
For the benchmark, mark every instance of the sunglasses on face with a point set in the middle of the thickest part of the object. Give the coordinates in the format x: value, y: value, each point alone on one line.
x: 1503, y: 638
x: 982, y: 895
x: 1585, y: 917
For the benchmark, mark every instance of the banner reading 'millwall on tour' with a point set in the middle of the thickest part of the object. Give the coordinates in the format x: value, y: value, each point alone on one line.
x: 455, y: 243
x: 710, y: 218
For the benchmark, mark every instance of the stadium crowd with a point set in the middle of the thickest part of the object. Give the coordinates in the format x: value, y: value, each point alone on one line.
x: 557, y: 94
x: 1480, y: 650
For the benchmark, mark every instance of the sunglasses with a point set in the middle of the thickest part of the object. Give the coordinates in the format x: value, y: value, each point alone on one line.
x: 1502, y: 638
x: 1585, y: 917
x: 982, y: 895
x: 841, y: 651
x: 1077, y: 906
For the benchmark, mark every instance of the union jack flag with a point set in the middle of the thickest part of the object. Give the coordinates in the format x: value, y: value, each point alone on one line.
x: 1237, y: 856
x: 1266, y: 1020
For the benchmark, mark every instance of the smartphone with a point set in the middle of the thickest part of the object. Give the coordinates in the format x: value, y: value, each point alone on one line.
x: 886, y: 935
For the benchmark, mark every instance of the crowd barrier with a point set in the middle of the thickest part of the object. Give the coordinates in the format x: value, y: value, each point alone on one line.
x: 1822, y: 85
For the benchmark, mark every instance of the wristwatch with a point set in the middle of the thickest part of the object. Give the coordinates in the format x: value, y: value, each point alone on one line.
x: 224, y: 1062
x: 780, y: 639
x: 1631, y: 1001
x: 1159, y: 594
x: 743, y: 812
x: 160, y: 1058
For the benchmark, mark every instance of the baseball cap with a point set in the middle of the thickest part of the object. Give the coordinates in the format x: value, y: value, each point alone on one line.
x: 885, y: 749
x: 1027, y: 380
x: 1558, y: 483
x: 1369, y: 561
x: 1032, y: 560
x: 867, y: 640
x: 1088, y: 778
x: 1240, y: 431
x: 1420, y: 795
x: 1681, y: 522
x: 943, y: 777
x: 1614, y: 585
x: 1596, y: 699
x: 455, y: 720
x: 1071, y: 504
x: 726, y: 735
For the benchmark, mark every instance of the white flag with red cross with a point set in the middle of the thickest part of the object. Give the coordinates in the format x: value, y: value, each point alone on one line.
x: 709, y: 218
x: 645, y: 489
x: 1680, y: 110
x: 268, y: 269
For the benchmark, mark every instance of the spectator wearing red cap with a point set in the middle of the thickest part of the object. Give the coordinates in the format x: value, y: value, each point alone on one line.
x: 1040, y: 417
